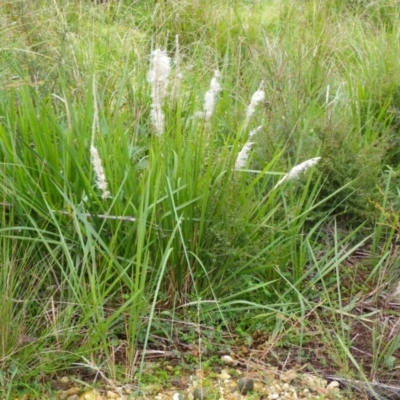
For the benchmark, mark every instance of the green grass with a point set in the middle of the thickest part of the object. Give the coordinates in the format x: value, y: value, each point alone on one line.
x: 183, y: 235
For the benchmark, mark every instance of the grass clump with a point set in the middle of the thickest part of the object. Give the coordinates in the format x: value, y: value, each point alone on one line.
x: 188, y: 161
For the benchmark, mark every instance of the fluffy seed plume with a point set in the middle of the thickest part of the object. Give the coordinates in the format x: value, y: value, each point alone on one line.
x: 211, y: 95
x: 297, y: 170
x: 258, y: 97
x: 243, y: 156
x: 98, y: 169
x: 160, y: 67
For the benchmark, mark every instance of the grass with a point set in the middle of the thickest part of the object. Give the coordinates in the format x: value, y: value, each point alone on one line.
x: 89, y: 280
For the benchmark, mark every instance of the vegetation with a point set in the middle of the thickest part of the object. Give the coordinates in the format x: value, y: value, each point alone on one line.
x: 148, y: 183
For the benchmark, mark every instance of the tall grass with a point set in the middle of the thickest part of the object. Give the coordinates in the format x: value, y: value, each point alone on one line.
x: 122, y: 199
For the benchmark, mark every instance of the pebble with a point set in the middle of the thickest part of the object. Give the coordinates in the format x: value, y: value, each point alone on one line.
x: 333, y: 385
x: 224, y: 375
x: 71, y: 391
x: 229, y: 360
x: 245, y: 385
x: 91, y: 395
x: 200, y: 393
x: 112, y: 395
x: 278, y: 389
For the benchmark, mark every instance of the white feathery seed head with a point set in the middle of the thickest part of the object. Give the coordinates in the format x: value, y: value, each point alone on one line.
x: 98, y: 169
x: 210, y: 96
x: 258, y: 97
x: 254, y: 131
x: 297, y: 170
x: 243, y: 156
x: 157, y: 118
x: 160, y: 68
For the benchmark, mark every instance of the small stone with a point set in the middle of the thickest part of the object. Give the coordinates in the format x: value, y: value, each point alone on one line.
x: 91, y: 395
x: 71, y: 391
x: 232, y: 387
x: 112, y: 395
x: 200, y: 393
x: 278, y: 389
x: 229, y: 360
x: 333, y: 385
x: 178, y: 396
x: 261, y: 388
x: 64, y: 379
x: 245, y: 385
x: 224, y: 375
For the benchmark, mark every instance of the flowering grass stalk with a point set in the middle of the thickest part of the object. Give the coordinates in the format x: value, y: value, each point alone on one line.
x: 101, y: 181
x: 243, y: 156
x: 258, y: 97
x: 297, y: 170
x: 210, y: 96
x: 158, y: 78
